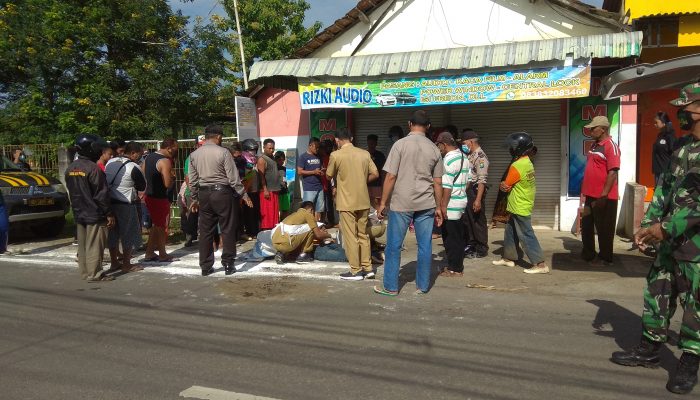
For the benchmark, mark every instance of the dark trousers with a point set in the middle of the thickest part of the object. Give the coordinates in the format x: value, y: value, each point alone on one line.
x: 217, y: 207
x: 476, y: 231
x: 189, y: 223
x: 252, y: 216
x: 602, y: 221
x: 453, y: 239
x: 332, y: 217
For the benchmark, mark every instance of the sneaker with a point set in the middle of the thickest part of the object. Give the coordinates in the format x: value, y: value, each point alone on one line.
x: 349, y: 276
x: 543, y: 269
x: 505, y: 262
x: 304, y: 258
x: 368, y: 275
x: 279, y: 258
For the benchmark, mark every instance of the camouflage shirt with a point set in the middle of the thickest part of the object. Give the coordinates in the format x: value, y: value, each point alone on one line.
x: 480, y: 166
x: 676, y: 203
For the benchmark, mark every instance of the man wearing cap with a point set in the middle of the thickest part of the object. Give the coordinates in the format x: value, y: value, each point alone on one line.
x: 672, y: 222
x: 600, y: 188
x: 474, y: 218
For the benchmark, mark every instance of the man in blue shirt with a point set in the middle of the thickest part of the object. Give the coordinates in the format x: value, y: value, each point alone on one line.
x: 310, y: 171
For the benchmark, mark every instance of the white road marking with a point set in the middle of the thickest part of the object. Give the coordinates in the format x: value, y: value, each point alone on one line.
x: 264, y: 269
x: 205, y: 393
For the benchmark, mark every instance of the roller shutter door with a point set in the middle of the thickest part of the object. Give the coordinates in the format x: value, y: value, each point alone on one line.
x: 541, y: 119
x: 378, y: 121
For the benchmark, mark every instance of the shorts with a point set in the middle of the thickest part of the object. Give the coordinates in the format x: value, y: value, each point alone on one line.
x: 316, y: 197
x: 159, y: 209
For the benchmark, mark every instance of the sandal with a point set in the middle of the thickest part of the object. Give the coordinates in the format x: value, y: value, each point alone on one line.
x: 169, y: 258
x: 385, y: 292
x: 150, y: 259
x: 102, y: 278
x: 132, y: 268
x: 112, y: 269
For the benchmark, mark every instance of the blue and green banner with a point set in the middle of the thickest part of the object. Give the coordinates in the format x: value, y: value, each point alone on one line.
x: 531, y: 84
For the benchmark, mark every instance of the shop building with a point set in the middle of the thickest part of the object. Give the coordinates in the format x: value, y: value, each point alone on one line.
x: 494, y: 66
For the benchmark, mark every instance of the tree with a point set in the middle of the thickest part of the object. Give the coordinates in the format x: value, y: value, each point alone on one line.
x: 271, y: 29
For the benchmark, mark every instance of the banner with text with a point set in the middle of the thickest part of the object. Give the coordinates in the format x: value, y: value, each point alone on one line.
x: 324, y: 123
x: 532, y: 84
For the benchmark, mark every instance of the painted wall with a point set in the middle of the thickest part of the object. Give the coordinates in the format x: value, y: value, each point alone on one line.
x: 428, y: 25
x: 281, y: 118
x: 644, y: 8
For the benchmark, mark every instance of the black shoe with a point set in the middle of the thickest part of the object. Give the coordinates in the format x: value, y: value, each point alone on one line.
x: 368, y: 275
x: 208, y: 272
x: 469, y: 249
x: 646, y: 354
x: 304, y: 258
x: 686, y: 374
x: 229, y: 269
x: 279, y: 258
x: 349, y: 276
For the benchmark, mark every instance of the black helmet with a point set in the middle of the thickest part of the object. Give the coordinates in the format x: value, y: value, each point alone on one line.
x: 90, y: 146
x: 519, y: 143
x: 249, y: 145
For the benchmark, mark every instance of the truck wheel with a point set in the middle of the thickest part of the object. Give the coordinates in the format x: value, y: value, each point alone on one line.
x: 51, y: 228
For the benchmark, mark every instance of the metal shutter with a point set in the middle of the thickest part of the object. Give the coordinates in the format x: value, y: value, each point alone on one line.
x: 378, y: 121
x: 541, y: 119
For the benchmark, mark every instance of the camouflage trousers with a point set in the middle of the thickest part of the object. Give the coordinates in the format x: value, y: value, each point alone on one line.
x: 668, y: 282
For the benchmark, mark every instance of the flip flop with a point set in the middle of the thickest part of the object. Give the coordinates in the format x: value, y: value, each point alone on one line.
x: 132, y: 268
x: 103, y: 278
x: 151, y: 259
x: 385, y: 292
x: 167, y: 259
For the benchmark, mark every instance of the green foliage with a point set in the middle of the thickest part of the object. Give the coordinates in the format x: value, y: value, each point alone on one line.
x: 129, y: 69
x: 271, y: 29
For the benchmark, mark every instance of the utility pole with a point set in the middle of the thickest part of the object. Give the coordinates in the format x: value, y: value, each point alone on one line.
x: 240, y: 44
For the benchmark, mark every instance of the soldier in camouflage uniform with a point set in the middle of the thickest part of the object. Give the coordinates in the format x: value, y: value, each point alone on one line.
x: 673, y: 222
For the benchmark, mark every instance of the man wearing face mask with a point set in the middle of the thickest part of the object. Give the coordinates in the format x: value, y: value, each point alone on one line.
x: 672, y: 222
x: 474, y: 218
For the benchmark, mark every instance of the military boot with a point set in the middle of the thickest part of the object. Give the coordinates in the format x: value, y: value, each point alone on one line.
x: 686, y: 374
x: 645, y: 354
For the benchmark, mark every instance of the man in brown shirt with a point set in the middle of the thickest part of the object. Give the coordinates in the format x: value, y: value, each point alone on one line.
x: 216, y: 190
x: 352, y: 169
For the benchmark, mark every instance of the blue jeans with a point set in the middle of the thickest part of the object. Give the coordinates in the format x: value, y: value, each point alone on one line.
x: 317, y: 197
x: 396, y: 232
x: 519, y: 233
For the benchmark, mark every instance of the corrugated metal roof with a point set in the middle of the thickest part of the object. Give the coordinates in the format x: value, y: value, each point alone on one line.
x: 611, y: 45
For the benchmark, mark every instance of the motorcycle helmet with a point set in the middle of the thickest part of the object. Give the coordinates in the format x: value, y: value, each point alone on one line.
x: 249, y: 145
x: 90, y: 146
x: 519, y: 143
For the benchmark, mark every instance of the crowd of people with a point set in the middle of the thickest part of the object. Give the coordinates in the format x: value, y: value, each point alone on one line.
x: 433, y: 183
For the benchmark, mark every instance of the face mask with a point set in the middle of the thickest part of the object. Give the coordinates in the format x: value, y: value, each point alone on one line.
x: 685, y: 118
x: 465, y: 149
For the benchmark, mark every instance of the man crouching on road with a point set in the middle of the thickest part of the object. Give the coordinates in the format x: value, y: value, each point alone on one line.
x: 89, y: 197
x: 295, y: 235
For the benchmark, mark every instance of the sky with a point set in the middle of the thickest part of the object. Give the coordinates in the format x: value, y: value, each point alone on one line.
x: 326, y: 11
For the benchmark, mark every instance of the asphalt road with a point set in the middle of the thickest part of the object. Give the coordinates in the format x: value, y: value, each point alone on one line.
x: 156, y: 336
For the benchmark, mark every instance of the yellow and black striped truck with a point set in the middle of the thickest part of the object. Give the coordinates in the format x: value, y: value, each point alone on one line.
x: 33, y: 200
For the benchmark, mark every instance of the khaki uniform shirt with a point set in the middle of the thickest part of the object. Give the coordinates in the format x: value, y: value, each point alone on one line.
x: 350, y: 167
x: 213, y: 165
x: 415, y: 161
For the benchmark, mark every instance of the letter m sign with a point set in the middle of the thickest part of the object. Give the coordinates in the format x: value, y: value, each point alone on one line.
x: 326, y: 125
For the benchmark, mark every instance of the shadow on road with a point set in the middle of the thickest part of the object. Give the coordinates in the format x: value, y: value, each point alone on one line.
x: 624, y: 328
x: 624, y: 265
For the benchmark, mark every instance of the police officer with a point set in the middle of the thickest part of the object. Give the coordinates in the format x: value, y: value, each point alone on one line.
x: 89, y: 197
x: 474, y: 217
x: 673, y: 221
x: 216, y: 191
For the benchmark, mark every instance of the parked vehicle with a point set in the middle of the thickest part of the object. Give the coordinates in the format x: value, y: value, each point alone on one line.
x: 385, y: 99
x: 32, y: 199
x: 405, y: 98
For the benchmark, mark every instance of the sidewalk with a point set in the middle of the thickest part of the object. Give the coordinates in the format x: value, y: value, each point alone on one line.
x: 570, y: 275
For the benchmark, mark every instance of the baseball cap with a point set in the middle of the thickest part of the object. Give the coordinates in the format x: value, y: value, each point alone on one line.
x: 689, y: 94
x: 446, y: 138
x: 598, y: 121
x: 468, y: 135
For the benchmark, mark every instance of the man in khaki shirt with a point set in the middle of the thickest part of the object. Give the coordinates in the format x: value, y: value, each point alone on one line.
x: 352, y: 169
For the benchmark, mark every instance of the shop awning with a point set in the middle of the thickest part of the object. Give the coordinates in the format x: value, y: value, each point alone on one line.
x: 433, y: 62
